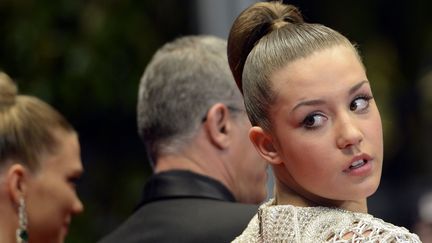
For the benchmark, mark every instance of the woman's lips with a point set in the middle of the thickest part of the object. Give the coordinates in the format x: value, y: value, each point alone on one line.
x: 359, y: 165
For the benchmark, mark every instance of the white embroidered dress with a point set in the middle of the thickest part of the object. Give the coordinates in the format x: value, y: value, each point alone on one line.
x: 287, y: 223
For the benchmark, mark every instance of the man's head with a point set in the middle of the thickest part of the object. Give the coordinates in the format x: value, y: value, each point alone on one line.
x: 188, y: 98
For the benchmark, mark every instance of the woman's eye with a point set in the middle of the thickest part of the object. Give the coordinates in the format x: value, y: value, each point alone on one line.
x: 313, y: 121
x: 360, y: 104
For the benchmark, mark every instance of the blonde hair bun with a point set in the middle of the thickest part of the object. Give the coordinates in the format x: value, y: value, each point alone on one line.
x: 8, y: 90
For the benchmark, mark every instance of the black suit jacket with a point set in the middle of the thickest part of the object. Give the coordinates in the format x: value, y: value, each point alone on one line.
x: 181, y: 206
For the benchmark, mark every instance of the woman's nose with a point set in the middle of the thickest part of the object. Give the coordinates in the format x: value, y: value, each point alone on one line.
x: 348, y: 133
x: 78, y: 207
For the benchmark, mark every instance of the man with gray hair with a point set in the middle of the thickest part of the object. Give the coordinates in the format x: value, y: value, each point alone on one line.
x: 207, y: 178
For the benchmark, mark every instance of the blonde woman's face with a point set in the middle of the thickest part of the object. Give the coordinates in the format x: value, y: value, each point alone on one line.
x: 327, y: 128
x: 51, y: 198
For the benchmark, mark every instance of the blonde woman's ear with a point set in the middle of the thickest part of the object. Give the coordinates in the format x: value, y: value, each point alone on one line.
x: 264, y: 144
x: 15, y: 179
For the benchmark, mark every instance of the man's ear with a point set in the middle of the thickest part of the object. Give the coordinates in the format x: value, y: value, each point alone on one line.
x: 264, y: 144
x: 15, y: 180
x: 218, y: 125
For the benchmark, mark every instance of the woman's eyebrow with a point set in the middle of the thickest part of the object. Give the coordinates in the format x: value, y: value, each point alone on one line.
x: 321, y: 102
x: 308, y: 103
x: 357, y: 86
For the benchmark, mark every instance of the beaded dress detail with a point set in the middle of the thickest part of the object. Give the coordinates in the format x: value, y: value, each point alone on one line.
x: 287, y: 223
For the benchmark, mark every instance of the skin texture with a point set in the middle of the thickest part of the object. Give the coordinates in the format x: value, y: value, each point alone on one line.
x: 50, y: 194
x: 324, y: 118
x: 249, y: 169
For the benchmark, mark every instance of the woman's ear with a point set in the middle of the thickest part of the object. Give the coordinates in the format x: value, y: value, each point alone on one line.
x: 264, y: 144
x: 15, y: 179
x: 219, y: 125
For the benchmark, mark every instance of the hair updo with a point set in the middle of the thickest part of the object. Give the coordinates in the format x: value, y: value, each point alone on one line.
x: 250, y: 26
x: 264, y: 38
x: 28, y: 126
x: 8, y: 91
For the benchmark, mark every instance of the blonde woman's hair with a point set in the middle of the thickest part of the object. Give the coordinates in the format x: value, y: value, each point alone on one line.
x: 27, y: 126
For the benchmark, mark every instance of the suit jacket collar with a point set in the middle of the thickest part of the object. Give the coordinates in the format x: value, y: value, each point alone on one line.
x: 183, y: 184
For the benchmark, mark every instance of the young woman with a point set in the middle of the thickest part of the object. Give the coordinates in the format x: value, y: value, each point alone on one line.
x: 316, y: 122
x: 39, y: 163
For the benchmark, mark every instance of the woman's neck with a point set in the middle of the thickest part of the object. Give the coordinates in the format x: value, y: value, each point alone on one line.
x: 8, y: 221
x: 7, y: 232
x: 301, y: 198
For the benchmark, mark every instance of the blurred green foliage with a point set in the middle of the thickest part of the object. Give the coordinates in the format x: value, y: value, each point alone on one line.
x: 59, y: 50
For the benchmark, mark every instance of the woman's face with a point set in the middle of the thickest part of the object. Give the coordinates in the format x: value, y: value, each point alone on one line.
x: 327, y: 128
x: 51, y: 199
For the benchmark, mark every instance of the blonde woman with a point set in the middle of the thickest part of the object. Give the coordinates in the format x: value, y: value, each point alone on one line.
x: 39, y: 164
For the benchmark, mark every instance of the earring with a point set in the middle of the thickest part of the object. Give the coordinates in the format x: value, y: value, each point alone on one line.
x: 21, y: 232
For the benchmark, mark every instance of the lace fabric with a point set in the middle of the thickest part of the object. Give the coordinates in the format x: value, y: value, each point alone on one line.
x: 287, y: 223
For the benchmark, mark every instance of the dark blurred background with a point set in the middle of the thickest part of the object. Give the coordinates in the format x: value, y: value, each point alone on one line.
x: 85, y: 57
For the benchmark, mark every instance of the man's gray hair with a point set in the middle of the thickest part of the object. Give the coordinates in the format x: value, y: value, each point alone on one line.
x: 182, y: 81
